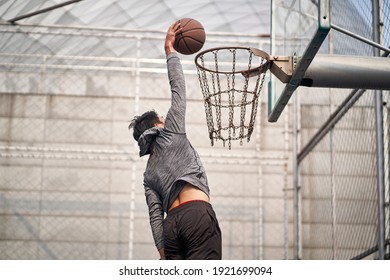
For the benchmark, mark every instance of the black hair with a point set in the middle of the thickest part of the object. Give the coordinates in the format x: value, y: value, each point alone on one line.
x: 144, y: 122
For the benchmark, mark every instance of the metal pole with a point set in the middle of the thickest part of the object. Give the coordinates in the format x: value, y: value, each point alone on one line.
x: 332, y: 161
x: 379, y: 143
x: 43, y: 11
x: 360, y: 38
x: 296, y: 167
x: 260, y: 207
x: 333, y: 197
x: 351, y: 99
x: 286, y: 132
x: 134, y: 166
x: 341, y: 71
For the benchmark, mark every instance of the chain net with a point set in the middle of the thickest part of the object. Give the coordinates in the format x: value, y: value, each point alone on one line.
x: 229, y: 91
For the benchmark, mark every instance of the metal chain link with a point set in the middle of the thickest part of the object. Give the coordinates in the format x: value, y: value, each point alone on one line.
x: 231, y: 100
x: 216, y: 97
x: 206, y: 97
x: 256, y: 91
x: 244, y: 101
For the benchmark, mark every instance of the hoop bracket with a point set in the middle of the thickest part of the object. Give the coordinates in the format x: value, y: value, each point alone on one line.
x: 282, y: 67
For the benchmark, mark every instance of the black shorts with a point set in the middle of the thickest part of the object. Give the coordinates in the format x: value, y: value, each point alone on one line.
x: 191, y: 232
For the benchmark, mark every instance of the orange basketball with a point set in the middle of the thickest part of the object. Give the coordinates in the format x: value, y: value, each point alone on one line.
x: 191, y: 38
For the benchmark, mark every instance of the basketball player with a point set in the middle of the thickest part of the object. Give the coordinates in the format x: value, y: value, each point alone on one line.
x: 175, y: 181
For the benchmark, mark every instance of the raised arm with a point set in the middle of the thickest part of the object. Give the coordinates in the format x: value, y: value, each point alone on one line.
x: 175, y: 119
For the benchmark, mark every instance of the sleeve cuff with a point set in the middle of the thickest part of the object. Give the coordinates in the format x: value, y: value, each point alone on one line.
x: 160, y: 245
x: 172, y: 54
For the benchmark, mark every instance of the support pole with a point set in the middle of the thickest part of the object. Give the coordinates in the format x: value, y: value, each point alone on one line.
x: 379, y: 142
x: 43, y: 11
x: 297, y: 185
x: 354, y: 72
x: 360, y: 38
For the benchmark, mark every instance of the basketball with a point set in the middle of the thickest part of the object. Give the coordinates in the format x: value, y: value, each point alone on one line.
x: 191, y: 38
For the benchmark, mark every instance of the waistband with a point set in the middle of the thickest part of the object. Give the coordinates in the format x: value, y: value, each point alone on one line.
x: 188, y: 204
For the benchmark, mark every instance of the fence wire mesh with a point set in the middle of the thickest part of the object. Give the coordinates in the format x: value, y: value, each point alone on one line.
x: 339, y: 190
x: 339, y: 178
x: 70, y: 175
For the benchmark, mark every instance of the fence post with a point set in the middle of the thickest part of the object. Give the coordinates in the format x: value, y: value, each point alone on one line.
x: 379, y: 141
x: 296, y: 177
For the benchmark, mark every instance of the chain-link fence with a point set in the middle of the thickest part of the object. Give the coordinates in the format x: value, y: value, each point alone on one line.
x: 71, y: 178
x: 70, y: 175
x: 344, y: 207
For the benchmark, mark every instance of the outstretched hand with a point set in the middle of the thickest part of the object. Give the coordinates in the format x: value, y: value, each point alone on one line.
x: 173, y: 30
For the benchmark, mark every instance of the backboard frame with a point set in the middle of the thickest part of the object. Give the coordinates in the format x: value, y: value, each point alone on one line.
x: 300, y: 67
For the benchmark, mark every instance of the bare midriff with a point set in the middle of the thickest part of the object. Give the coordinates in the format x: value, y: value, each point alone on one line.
x: 188, y: 193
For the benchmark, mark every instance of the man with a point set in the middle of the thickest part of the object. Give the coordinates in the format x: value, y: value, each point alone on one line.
x: 175, y: 181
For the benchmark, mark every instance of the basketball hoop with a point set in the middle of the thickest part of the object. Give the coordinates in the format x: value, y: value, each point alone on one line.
x: 231, y: 79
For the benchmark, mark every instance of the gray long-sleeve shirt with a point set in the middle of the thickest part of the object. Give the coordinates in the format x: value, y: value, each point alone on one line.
x: 172, y: 161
